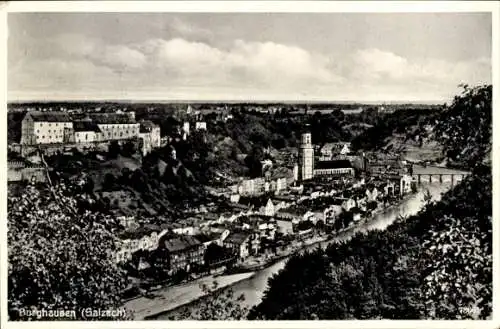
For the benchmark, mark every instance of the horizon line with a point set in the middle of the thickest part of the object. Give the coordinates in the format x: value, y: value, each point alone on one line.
x: 271, y: 101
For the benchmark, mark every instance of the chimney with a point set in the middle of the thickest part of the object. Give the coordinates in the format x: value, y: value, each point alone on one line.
x: 131, y: 115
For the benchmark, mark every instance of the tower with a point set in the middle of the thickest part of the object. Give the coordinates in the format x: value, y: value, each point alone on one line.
x: 306, y: 157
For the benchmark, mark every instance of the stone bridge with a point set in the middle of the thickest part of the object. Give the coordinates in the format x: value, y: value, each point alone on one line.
x: 438, y: 177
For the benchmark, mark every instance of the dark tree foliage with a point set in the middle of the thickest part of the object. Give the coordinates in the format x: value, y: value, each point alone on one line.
x: 60, y: 259
x: 465, y: 128
x: 114, y: 150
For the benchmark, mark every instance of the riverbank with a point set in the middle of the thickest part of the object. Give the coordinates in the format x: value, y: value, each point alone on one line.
x: 253, y: 289
x: 170, y: 298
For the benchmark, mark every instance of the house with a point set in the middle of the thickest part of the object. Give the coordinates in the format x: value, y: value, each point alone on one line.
x: 331, y: 150
x: 234, y: 198
x: 87, y: 131
x: 372, y: 194
x: 115, y: 126
x: 184, y: 230
x: 239, y: 242
x: 389, y: 188
x: 143, y: 238
x: 268, y: 209
x: 213, y: 237
x: 284, y: 225
x: 150, y: 135
x: 281, y: 184
x: 183, y: 253
x: 251, y: 186
x: 261, y: 204
x: 46, y: 128
x: 200, y: 125
x: 331, y: 213
x: 185, y: 130
x: 348, y: 204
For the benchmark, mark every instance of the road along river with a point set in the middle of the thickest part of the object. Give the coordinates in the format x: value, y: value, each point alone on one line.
x: 253, y: 288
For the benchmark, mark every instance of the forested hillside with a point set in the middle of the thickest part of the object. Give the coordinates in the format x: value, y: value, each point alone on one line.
x: 437, y: 264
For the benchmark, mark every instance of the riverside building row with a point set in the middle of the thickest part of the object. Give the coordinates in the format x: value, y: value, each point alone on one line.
x: 53, y: 128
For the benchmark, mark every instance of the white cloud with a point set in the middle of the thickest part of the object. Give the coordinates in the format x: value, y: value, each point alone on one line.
x: 263, y: 69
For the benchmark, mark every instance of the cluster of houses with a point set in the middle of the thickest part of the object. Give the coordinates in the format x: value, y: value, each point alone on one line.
x: 251, y: 220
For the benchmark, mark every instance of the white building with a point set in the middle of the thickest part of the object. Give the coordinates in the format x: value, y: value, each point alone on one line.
x: 150, y: 135
x: 116, y: 126
x: 331, y: 150
x: 185, y: 130
x: 200, y: 125
x: 86, y: 131
x: 46, y: 128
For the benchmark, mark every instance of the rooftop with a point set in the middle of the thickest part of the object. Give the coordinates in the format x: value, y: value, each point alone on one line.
x: 111, y: 118
x: 50, y: 116
x: 333, y: 164
x: 85, y: 125
x: 181, y: 243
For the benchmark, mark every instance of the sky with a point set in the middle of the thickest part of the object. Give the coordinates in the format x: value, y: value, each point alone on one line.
x: 417, y: 57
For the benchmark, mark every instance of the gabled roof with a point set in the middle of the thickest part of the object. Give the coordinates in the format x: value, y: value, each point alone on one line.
x: 208, y: 236
x: 49, y: 116
x: 333, y: 164
x: 256, y: 202
x: 181, y: 243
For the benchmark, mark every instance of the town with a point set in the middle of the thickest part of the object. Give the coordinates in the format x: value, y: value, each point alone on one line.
x: 297, y: 199
x: 257, y: 162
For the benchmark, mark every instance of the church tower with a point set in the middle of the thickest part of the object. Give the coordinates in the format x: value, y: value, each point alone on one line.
x: 306, y: 157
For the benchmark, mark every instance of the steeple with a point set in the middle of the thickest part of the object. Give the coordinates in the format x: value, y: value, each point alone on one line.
x: 306, y: 155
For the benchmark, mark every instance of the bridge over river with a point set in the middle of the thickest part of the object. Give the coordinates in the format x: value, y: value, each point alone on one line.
x: 430, y: 174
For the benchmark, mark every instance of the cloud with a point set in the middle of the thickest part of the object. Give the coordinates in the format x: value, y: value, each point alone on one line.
x: 248, y: 69
x: 185, y: 29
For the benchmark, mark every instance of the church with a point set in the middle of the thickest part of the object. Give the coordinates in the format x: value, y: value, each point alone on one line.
x: 307, y: 167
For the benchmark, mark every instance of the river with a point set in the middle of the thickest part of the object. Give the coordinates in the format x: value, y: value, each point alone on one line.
x: 254, y: 287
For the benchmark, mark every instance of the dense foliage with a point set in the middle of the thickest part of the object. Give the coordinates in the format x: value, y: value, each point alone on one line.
x: 219, y: 304
x: 408, y: 122
x: 465, y: 128
x: 437, y: 264
x: 60, y: 257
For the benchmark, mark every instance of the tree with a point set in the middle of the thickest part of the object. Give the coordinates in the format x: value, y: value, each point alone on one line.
x: 113, y: 150
x: 59, y: 259
x: 109, y: 182
x: 220, y: 304
x: 465, y: 128
x: 129, y: 149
